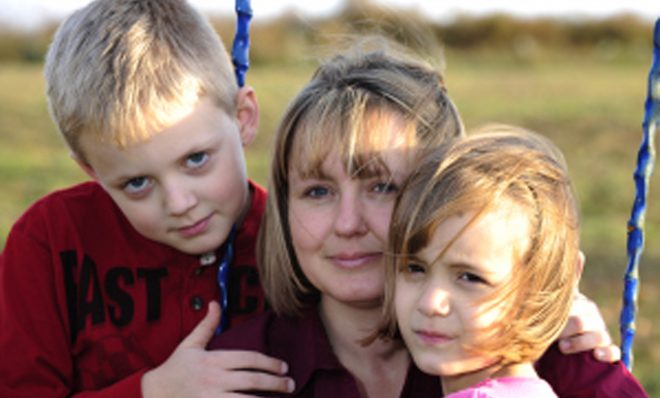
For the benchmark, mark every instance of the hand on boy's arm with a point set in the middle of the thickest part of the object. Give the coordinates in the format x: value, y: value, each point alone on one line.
x: 586, y: 330
x: 191, y: 371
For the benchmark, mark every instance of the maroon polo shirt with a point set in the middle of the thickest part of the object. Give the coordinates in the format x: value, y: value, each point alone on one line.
x: 303, y: 344
x: 580, y: 375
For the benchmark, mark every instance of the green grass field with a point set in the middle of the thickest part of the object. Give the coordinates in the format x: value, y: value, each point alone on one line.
x: 591, y: 108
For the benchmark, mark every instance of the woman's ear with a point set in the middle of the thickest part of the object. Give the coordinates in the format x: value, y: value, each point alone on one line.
x: 247, y: 114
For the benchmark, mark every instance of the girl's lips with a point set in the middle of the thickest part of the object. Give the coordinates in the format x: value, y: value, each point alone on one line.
x: 432, y: 338
x: 355, y: 260
x: 195, y: 229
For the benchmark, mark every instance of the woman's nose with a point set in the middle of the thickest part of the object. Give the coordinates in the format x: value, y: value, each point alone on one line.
x: 350, y: 216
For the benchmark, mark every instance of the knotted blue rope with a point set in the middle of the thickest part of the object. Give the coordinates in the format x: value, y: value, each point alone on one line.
x: 223, y: 279
x: 645, y: 159
x: 240, y: 50
x: 240, y: 57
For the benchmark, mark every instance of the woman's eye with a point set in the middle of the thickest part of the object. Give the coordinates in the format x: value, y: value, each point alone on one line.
x: 137, y: 185
x: 196, y: 160
x: 385, y: 187
x: 317, y: 192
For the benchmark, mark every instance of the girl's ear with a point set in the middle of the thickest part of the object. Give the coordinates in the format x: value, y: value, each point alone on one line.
x: 247, y: 113
x: 579, y: 267
x: 84, y: 166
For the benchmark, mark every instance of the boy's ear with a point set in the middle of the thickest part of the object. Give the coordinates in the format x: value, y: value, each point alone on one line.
x: 247, y: 113
x: 84, y: 166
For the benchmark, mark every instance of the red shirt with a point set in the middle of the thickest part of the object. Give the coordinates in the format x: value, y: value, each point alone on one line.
x: 303, y: 344
x: 89, y: 304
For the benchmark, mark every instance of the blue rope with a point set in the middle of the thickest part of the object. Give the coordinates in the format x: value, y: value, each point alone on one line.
x: 645, y: 159
x: 240, y: 57
x: 240, y: 51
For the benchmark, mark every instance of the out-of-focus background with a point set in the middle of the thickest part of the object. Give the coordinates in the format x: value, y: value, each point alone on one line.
x: 577, y: 75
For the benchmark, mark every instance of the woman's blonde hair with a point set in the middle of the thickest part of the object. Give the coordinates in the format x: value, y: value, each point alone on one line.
x: 330, y: 114
x: 476, y: 174
x: 122, y: 70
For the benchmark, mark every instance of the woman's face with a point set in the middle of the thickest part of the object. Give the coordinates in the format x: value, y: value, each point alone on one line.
x: 339, y: 222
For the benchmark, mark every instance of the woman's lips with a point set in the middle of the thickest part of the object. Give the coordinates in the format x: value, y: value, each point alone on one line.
x: 355, y: 260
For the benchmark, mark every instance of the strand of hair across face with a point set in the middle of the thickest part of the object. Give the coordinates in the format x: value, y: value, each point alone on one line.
x: 240, y: 51
x: 645, y: 160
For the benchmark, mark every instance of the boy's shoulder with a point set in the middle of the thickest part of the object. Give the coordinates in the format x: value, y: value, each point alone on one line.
x: 86, y: 195
x: 80, y: 204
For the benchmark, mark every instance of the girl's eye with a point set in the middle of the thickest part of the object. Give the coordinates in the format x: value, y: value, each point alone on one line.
x: 414, y: 268
x: 197, y: 160
x: 137, y: 185
x: 471, y: 278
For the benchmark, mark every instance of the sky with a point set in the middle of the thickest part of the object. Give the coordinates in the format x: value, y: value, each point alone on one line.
x: 29, y: 13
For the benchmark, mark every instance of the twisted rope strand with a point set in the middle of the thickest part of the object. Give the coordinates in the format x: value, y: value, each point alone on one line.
x: 240, y: 50
x: 642, y: 174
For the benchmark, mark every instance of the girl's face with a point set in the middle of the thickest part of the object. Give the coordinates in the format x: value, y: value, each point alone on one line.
x: 339, y: 222
x: 440, y: 301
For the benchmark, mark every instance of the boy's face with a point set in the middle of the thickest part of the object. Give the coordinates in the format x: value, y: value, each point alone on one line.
x: 185, y: 186
x: 440, y: 302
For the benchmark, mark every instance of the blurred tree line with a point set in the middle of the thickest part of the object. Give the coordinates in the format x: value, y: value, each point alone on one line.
x: 290, y: 36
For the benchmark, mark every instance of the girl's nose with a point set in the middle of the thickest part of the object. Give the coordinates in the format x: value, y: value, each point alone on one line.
x: 434, y: 301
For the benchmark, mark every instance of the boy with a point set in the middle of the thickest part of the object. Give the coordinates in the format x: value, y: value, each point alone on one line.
x: 101, y: 282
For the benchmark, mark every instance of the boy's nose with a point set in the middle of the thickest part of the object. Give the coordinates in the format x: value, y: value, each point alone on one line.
x: 350, y: 216
x: 434, y: 301
x: 179, y: 200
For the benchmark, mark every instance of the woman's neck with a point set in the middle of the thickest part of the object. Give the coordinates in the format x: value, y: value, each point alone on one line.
x: 462, y: 381
x: 380, y: 368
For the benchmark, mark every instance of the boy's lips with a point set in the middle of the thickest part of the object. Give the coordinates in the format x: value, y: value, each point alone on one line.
x: 195, y: 229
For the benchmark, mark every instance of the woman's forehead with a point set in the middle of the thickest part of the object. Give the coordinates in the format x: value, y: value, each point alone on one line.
x: 371, y: 145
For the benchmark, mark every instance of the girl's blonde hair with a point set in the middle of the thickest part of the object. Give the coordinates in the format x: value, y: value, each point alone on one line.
x: 122, y: 70
x: 476, y: 174
x: 330, y: 114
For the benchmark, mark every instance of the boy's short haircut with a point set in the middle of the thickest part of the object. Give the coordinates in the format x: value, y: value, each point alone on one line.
x: 122, y: 70
x: 476, y: 174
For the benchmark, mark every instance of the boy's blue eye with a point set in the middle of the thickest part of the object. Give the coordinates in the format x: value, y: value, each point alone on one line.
x: 137, y: 185
x: 196, y: 160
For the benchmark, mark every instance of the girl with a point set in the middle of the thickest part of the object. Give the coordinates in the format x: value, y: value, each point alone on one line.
x: 345, y: 145
x: 485, y: 241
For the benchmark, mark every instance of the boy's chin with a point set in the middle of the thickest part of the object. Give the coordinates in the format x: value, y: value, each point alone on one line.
x: 197, y: 247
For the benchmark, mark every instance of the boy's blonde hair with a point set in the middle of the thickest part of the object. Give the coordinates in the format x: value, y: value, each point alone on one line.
x: 332, y: 113
x: 476, y: 174
x: 123, y: 70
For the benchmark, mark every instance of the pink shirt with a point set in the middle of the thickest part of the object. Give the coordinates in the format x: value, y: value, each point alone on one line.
x: 507, y: 387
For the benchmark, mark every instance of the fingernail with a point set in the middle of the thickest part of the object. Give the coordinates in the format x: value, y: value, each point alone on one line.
x: 564, y: 345
x: 599, y: 354
x: 291, y: 385
x: 285, y: 367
